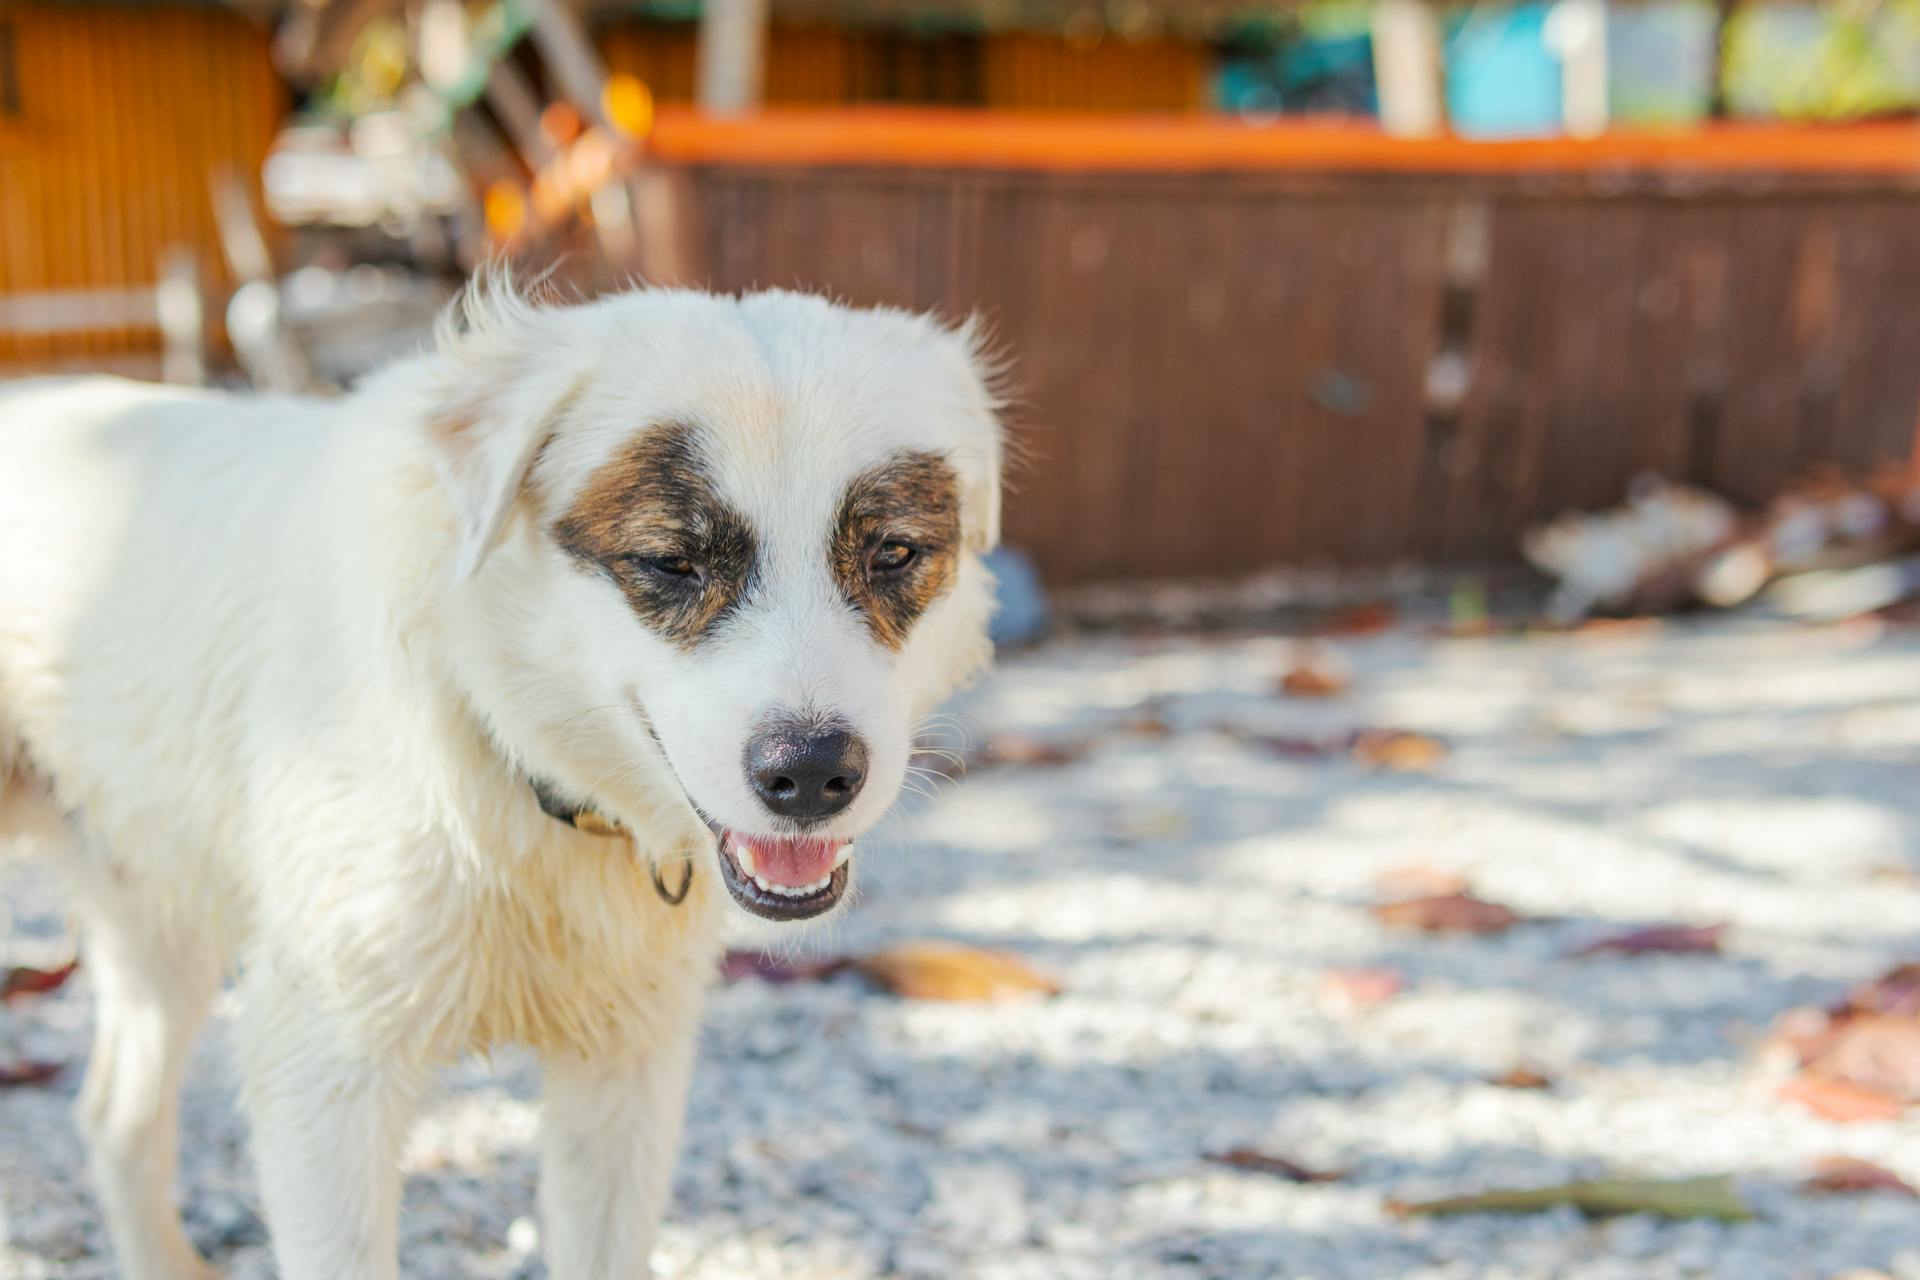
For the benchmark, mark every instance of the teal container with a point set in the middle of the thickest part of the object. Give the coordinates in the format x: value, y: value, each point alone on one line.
x: 1502, y: 79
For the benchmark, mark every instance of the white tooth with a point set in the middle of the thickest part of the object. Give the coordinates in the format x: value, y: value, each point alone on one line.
x: 761, y: 881
x: 840, y: 858
x: 743, y: 854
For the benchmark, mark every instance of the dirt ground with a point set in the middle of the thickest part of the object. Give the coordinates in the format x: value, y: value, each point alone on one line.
x: 1197, y: 877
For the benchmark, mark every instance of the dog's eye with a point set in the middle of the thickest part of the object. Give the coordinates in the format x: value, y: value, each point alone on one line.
x: 666, y: 566
x: 890, y: 557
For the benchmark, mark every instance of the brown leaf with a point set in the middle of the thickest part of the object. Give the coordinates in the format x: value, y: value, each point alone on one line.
x: 1310, y: 681
x: 1846, y: 1174
x: 1663, y: 938
x: 1279, y: 1166
x: 1361, y: 620
x: 1798, y: 1036
x: 1295, y: 748
x: 14, y: 1075
x: 1418, y: 880
x: 737, y: 965
x: 1447, y: 913
x: 1398, y: 749
x: 1841, y: 1101
x: 949, y: 971
x: 1896, y: 991
x: 1712, y: 1197
x: 1618, y: 629
x: 32, y: 982
x: 1878, y: 1050
x: 1523, y: 1077
x: 1030, y: 752
x: 1146, y: 726
x: 1362, y: 988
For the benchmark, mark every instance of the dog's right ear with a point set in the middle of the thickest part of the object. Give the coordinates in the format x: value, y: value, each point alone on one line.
x: 505, y: 376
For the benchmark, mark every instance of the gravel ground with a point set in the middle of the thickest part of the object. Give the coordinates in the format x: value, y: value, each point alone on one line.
x: 1192, y: 891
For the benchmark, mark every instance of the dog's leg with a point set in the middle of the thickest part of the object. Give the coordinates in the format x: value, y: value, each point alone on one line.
x: 328, y: 1124
x: 608, y: 1134
x: 153, y: 985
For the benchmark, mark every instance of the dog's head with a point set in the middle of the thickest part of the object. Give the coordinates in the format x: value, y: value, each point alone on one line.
x: 715, y: 557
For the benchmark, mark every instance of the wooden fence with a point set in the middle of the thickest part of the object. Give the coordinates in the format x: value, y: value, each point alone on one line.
x: 112, y: 121
x: 1225, y: 364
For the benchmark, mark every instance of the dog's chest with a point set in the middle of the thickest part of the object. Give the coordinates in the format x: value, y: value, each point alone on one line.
x: 581, y: 953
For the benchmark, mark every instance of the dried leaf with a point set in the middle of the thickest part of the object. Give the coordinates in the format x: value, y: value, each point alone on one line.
x: 1447, y: 913
x: 948, y: 971
x: 1312, y: 681
x: 1618, y: 629
x: 1295, y: 748
x: 15, y: 1075
x: 1361, y: 620
x: 1146, y: 726
x: 1878, y: 1050
x: 1417, y: 880
x: 1711, y: 1197
x: 23, y: 981
x: 737, y: 965
x: 1841, y: 1101
x: 1523, y: 1077
x: 1362, y: 988
x: 1847, y: 1174
x: 1030, y: 752
x: 1264, y: 1162
x: 1662, y: 938
x: 1397, y: 749
x: 1896, y: 991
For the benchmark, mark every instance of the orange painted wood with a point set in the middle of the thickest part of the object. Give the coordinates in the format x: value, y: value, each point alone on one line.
x: 125, y: 114
x: 886, y: 137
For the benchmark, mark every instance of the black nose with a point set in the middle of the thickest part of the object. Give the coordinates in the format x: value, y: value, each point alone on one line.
x: 806, y: 774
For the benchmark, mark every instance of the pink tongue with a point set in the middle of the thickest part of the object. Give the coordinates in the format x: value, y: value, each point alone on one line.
x: 790, y: 862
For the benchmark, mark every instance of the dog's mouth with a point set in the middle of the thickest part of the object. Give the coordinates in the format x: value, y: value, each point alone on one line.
x: 785, y: 877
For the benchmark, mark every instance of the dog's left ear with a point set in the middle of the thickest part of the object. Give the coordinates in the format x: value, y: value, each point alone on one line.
x: 505, y: 378
x: 979, y: 459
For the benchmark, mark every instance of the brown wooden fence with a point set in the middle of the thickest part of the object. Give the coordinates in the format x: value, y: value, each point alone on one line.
x: 112, y: 121
x: 1298, y: 365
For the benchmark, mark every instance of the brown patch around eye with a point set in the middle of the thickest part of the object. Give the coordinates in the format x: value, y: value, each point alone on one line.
x: 649, y: 506
x: 913, y: 499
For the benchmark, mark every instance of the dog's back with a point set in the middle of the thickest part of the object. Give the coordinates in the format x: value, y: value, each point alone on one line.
x: 121, y: 568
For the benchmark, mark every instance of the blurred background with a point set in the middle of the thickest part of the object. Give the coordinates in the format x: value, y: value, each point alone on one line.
x: 1447, y: 807
x: 1319, y: 284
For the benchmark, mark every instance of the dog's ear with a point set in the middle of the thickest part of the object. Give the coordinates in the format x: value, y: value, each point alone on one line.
x: 504, y: 378
x: 980, y: 458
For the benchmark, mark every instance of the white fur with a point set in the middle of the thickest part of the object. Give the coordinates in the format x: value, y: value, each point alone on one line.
x: 273, y: 673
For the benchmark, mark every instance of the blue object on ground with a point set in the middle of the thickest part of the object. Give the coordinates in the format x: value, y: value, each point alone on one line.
x: 1020, y: 602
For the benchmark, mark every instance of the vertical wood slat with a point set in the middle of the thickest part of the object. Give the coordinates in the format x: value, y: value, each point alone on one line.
x: 125, y: 113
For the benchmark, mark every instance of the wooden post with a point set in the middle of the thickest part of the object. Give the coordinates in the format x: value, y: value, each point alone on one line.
x: 733, y: 42
x: 1406, y: 66
x: 180, y: 305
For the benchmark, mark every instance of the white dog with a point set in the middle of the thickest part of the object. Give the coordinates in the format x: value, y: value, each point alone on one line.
x: 453, y: 712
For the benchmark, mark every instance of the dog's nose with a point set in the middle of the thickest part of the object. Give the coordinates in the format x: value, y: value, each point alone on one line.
x: 806, y: 774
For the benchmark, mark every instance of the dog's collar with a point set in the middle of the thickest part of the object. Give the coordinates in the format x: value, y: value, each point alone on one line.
x: 595, y: 823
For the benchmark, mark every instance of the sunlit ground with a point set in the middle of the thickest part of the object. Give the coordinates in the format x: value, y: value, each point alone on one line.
x: 1192, y: 888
